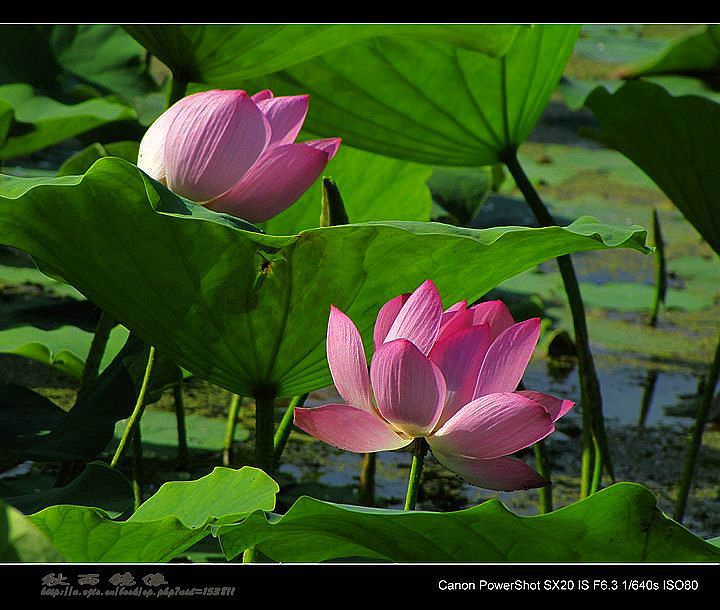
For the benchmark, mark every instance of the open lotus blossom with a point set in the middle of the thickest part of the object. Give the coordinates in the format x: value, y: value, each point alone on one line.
x: 447, y: 376
x: 235, y: 153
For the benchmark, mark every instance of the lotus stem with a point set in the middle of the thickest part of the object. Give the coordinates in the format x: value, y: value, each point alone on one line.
x: 597, y: 468
x: 696, y: 439
x: 420, y: 448
x: 648, y: 393
x: 138, y: 410
x: 285, y: 428
x: 228, y: 450
x: 264, y: 432
x: 182, y: 454
x: 264, y: 455
x: 366, y: 488
x: 660, y: 270
x: 137, y: 467
x: 593, y: 433
x: 95, y: 355
x: 542, y: 463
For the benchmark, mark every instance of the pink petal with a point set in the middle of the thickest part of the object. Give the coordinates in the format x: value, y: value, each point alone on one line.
x: 455, y: 320
x: 286, y: 116
x: 328, y: 145
x: 493, y: 426
x: 507, y: 358
x: 349, y: 428
x: 347, y: 361
x: 409, y: 389
x: 501, y: 474
x: 419, y: 319
x: 265, y: 94
x: 151, y: 156
x: 494, y: 313
x: 385, y: 318
x: 557, y: 407
x: 212, y: 142
x: 275, y: 182
x: 459, y: 358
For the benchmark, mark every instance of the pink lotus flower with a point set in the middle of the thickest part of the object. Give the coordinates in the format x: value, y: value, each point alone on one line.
x: 234, y: 153
x: 447, y: 376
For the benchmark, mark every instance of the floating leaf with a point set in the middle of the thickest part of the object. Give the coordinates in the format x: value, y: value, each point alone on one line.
x: 621, y: 523
x: 162, y: 528
x: 160, y: 435
x: 201, y: 289
x: 64, y: 348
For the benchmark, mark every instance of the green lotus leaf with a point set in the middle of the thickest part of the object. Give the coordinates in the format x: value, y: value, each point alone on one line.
x: 619, y: 524
x: 247, y: 310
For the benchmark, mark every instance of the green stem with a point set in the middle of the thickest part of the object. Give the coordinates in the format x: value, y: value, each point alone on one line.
x: 95, y: 355
x: 137, y: 410
x: 660, y: 270
x: 264, y: 432
x: 591, y: 399
x: 597, y: 469
x: 542, y: 462
x: 264, y: 454
x: 137, y: 467
x: 696, y: 440
x: 177, y: 90
x: 648, y: 393
x: 282, y: 434
x: 420, y: 448
x: 231, y: 425
x: 366, y: 488
x: 182, y: 454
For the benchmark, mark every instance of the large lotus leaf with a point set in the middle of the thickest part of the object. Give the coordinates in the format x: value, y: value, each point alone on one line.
x: 373, y: 187
x: 54, y: 57
x: 26, y: 56
x: 103, y: 55
x: 25, y: 416
x: 82, y: 160
x: 674, y: 140
x: 427, y: 101
x: 247, y: 310
x: 171, y: 521
x: 39, y: 122
x: 621, y: 523
x: 222, y: 54
x: 41, y: 432
x: 22, y: 541
x: 98, y: 485
x: 696, y: 52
